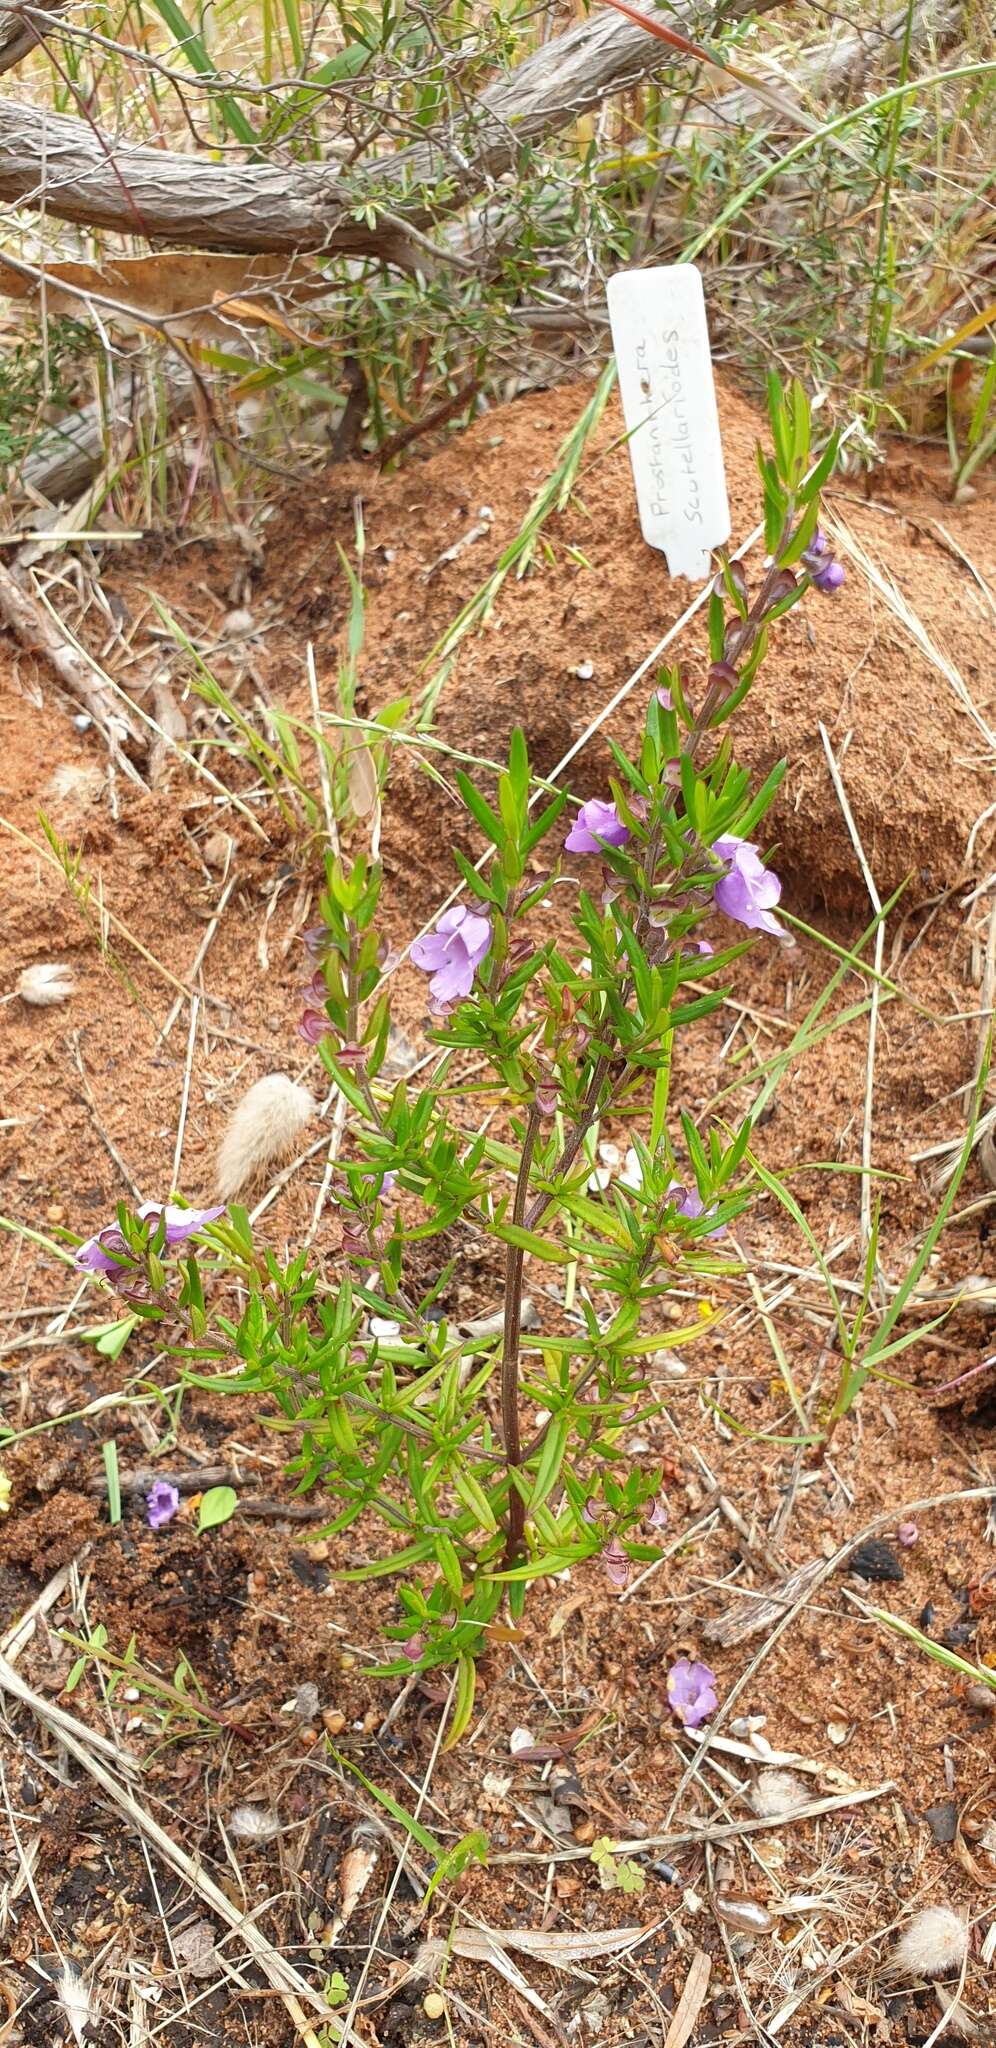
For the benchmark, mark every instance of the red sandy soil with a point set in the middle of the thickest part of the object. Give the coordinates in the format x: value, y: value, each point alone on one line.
x: 256, y: 1610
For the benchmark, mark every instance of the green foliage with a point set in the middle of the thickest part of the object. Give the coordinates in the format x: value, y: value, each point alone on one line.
x: 395, y: 1409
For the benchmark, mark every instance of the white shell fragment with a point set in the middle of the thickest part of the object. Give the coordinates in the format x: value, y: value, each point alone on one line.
x: 263, y: 1129
x: 50, y: 982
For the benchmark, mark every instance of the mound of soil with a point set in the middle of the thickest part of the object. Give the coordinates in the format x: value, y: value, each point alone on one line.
x: 95, y: 1093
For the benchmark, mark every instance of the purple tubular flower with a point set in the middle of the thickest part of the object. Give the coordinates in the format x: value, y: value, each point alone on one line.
x: 453, y: 953
x: 162, y: 1501
x: 691, y: 1691
x: 702, y: 946
x: 692, y: 1206
x: 97, y: 1254
x: 748, y: 891
x: 827, y: 573
x: 180, y: 1223
x: 413, y: 1647
x: 316, y: 940
x: 830, y: 577
x: 597, y: 825
x: 312, y: 1026
x: 656, y: 1514
x: 616, y: 1564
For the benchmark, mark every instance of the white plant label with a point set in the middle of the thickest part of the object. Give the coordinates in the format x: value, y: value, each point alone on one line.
x: 661, y: 343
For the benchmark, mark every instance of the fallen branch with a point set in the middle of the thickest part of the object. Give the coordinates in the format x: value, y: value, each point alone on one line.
x: 39, y: 635
x: 73, y: 171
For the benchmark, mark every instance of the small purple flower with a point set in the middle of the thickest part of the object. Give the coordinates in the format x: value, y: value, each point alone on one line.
x: 597, y: 825
x: 827, y: 573
x: 616, y: 1564
x: 908, y: 1534
x: 656, y: 1514
x: 162, y: 1501
x: 315, y: 991
x: 453, y: 953
x: 180, y: 1223
x: 97, y: 1255
x: 664, y: 698
x: 749, y: 891
x: 316, y: 939
x: 592, y: 1512
x: 312, y: 1026
x: 413, y: 1647
x: 692, y: 1206
x: 382, y: 1183
x: 703, y: 946
x: 691, y: 1691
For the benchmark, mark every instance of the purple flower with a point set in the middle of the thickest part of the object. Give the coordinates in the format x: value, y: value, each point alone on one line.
x: 316, y: 939
x: 656, y: 1514
x: 749, y: 890
x: 591, y: 1512
x: 413, y: 1647
x: 382, y: 1183
x: 664, y: 697
x: 453, y: 953
x: 703, y: 946
x: 97, y: 1255
x: 827, y: 573
x: 162, y: 1501
x: 616, y: 1564
x: 180, y: 1223
x: 692, y: 1206
x: 908, y: 1534
x: 312, y: 1026
x: 597, y: 825
x: 107, y: 1253
x: 691, y: 1691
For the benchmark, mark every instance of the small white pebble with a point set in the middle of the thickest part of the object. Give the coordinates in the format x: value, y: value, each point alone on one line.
x: 50, y: 982
x: 934, y: 1944
x: 521, y: 1738
x: 380, y: 1326
x: 584, y: 671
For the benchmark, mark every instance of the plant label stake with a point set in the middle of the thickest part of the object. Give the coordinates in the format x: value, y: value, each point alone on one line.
x: 661, y: 344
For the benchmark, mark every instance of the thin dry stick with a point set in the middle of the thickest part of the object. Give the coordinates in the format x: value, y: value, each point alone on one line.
x: 876, y: 903
x: 399, y: 1867
x: 181, y: 1122
x: 105, y: 1137
x: 823, y: 1571
x: 40, y: 635
x: 80, y: 1742
x: 199, y: 958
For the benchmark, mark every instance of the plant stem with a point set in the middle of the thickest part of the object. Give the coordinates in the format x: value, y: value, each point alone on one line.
x: 510, y: 1346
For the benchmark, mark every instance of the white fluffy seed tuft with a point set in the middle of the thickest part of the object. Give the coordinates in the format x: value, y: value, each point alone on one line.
x: 774, y: 1793
x: 49, y: 982
x: 934, y: 1944
x: 263, y: 1129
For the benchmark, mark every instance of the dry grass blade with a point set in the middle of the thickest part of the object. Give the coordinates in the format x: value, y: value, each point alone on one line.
x: 82, y: 1744
x: 757, y: 1611
x: 559, y: 1951
x: 691, y: 2001
x: 40, y: 635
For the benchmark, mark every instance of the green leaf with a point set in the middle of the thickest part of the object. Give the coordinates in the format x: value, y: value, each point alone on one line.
x: 110, y: 1457
x: 218, y: 1505
x: 539, y: 1247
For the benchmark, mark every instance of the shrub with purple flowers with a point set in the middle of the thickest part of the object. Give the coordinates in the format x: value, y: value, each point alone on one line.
x: 467, y: 1465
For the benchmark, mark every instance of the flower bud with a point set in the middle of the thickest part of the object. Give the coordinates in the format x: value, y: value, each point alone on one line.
x: 312, y: 1026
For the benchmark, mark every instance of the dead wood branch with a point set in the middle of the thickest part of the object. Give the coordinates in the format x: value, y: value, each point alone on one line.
x: 21, y: 28
x: 75, y: 172
x: 39, y: 634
